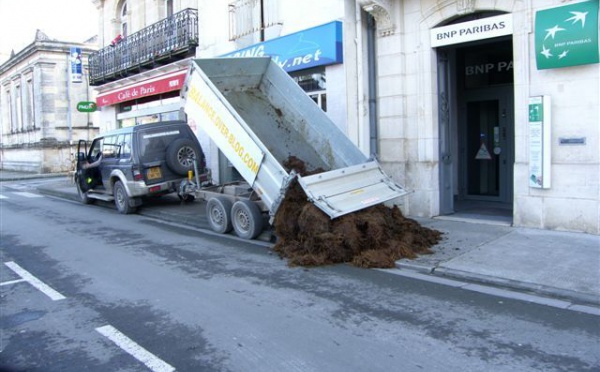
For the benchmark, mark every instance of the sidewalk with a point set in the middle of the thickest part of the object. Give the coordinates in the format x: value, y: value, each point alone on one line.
x: 561, y: 265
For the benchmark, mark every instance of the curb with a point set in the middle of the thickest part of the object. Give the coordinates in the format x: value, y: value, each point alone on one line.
x: 538, y: 289
x: 58, y: 194
x: 32, y: 176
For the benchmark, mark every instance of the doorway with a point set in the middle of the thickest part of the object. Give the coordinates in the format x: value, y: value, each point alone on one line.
x: 477, y: 129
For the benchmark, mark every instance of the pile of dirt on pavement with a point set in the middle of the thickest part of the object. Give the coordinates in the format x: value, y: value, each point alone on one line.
x: 373, y: 237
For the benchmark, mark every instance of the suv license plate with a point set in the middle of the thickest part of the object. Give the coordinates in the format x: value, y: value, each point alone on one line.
x: 154, y: 173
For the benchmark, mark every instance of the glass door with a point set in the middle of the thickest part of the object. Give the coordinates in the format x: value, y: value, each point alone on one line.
x: 487, y: 148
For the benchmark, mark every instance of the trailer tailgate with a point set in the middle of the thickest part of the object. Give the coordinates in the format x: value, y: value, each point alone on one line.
x: 345, y: 190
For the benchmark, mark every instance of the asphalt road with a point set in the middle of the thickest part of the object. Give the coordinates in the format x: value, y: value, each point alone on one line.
x: 83, y: 287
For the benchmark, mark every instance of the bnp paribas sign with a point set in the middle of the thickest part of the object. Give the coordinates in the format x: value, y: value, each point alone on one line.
x: 567, y: 35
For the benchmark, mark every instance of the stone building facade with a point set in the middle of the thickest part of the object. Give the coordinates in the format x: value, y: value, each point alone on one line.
x: 39, y: 121
x: 443, y: 93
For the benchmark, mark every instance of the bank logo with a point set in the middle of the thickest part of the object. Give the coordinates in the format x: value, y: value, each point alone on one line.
x: 567, y: 35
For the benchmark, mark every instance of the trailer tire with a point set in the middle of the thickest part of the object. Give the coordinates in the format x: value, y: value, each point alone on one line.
x: 218, y: 211
x: 246, y: 219
x: 181, y: 154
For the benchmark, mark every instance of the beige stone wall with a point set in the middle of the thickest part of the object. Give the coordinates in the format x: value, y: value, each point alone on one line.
x: 42, y: 158
x: 50, y: 121
x: 408, y: 118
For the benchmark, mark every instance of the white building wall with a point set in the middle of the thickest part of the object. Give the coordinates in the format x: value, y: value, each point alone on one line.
x: 408, y: 117
x: 140, y: 14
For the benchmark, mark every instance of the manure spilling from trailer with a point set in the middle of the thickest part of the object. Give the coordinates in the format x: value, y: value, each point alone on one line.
x: 375, y: 237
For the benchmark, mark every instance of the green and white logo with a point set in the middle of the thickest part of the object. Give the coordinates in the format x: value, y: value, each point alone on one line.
x: 567, y: 35
x: 86, y: 106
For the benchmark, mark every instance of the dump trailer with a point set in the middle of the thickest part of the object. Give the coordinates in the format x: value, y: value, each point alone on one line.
x: 258, y: 117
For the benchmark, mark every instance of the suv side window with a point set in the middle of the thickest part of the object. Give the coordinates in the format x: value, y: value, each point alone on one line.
x: 110, y: 147
x: 124, y: 141
x: 96, y: 148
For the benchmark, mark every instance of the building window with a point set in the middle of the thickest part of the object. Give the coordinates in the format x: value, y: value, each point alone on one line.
x: 29, y: 117
x: 11, y: 120
x: 314, y: 83
x: 247, y: 17
x: 19, y: 109
x: 124, y: 19
x: 147, y: 110
x: 169, y: 7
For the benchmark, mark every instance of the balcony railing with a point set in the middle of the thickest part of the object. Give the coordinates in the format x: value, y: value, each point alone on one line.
x: 172, y: 38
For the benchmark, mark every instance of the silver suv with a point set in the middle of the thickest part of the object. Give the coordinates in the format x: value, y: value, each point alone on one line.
x: 127, y: 164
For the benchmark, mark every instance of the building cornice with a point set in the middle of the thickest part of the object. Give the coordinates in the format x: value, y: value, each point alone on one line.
x: 44, y: 46
x: 381, y: 11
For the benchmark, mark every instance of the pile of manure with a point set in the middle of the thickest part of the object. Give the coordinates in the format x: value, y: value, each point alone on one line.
x: 377, y: 236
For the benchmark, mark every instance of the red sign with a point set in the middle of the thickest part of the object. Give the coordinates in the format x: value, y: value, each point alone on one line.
x: 162, y: 84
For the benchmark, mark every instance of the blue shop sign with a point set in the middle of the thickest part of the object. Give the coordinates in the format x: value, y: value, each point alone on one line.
x: 76, y: 65
x: 317, y: 46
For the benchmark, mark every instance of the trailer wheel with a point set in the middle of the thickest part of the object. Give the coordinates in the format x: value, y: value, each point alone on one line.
x: 246, y: 219
x: 218, y: 211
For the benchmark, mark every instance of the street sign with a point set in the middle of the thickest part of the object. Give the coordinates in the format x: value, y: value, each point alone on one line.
x: 86, y: 106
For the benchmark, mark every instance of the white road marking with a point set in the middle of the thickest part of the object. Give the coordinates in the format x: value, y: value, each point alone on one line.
x: 28, y: 194
x: 3, y: 197
x: 150, y: 360
x: 12, y: 282
x: 45, y: 289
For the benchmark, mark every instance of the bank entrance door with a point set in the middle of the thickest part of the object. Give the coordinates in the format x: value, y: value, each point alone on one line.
x: 476, y: 125
x: 485, y: 145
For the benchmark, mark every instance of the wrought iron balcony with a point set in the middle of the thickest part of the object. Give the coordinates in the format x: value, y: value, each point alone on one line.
x: 173, y: 38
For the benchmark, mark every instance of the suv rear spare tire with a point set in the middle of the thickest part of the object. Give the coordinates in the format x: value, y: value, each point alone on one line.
x: 181, y: 154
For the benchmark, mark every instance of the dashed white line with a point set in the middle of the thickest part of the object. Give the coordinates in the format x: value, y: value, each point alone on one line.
x: 28, y: 194
x: 150, y: 360
x: 3, y: 196
x: 45, y: 289
x: 12, y: 282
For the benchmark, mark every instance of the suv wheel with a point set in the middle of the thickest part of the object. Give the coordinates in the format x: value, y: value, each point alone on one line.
x: 122, y: 199
x: 181, y: 154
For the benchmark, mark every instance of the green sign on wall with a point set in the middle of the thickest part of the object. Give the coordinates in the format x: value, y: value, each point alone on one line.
x: 567, y: 35
x: 86, y: 106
